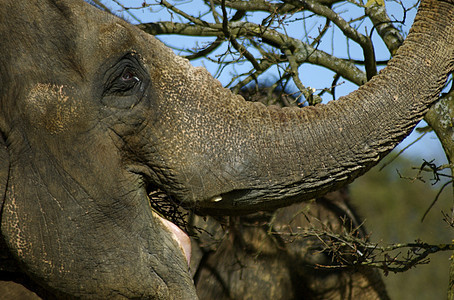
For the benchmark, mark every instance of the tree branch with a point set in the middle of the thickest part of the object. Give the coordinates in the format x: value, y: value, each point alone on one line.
x: 392, y: 38
x: 302, y: 52
x: 350, y: 32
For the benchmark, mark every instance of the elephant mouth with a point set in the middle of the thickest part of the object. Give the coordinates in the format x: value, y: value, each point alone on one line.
x: 172, y: 216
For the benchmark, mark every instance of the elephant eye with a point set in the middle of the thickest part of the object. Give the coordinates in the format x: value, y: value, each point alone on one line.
x: 128, y: 80
x: 129, y: 76
x: 125, y: 83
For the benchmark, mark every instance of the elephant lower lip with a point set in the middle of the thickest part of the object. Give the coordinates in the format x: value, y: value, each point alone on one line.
x: 180, y: 236
x: 171, y: 216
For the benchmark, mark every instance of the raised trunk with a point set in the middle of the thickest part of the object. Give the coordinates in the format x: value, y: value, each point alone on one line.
x: 247, y: 156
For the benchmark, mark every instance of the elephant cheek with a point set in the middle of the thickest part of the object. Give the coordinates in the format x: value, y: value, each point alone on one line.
x: 48, y: 106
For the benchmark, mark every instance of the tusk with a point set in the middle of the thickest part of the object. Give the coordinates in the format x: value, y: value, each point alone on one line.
x: 216, y: 199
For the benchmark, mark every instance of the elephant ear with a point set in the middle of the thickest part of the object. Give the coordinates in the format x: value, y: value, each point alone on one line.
x: 4, y: 170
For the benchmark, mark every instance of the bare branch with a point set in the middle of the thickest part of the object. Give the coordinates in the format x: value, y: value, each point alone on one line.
x: 101, y: 5
x: 206, y: 51
x: 302, y: 53
x: 308, y: 93
x: 192, y: 19
x: 392, y: 38
x: 349, y: 31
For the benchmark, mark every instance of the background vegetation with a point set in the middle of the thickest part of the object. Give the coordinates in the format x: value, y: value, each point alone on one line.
x: 392, y: 208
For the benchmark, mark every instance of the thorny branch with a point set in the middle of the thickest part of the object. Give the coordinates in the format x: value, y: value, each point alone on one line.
x: 437, y: 176
x: 350, y: 249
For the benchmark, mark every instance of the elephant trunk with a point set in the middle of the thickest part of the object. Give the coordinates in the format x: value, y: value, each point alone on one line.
x: 238, y: 156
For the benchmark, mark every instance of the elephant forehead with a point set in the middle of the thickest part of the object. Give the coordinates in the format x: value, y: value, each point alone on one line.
x: 115, y: 36
x: 49, y: 106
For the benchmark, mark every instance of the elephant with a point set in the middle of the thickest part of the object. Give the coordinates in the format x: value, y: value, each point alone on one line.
x: 235, y: 258
x: 96, y: 115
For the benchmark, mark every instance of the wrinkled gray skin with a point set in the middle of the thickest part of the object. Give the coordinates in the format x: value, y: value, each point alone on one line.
x: 94, y: 112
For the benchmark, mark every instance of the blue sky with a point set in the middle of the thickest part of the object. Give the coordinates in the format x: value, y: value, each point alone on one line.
x: 428, y: 148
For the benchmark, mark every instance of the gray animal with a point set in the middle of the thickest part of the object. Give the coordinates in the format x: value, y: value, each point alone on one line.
x: 95, y: 115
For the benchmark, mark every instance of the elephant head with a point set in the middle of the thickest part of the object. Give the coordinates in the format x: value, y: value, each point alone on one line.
x: 94, y: 114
